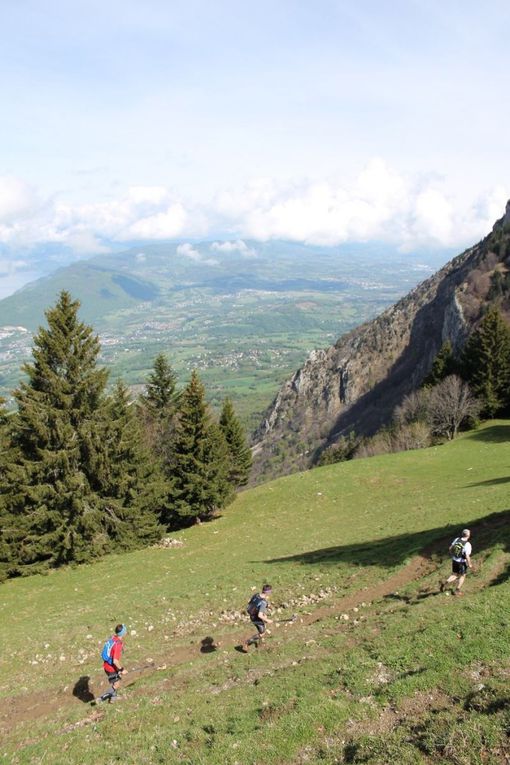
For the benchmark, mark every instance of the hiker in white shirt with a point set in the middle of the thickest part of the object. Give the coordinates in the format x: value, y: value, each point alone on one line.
x: 460, y: 550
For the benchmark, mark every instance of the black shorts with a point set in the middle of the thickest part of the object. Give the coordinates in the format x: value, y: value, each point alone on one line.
x: 459, y: 567
x: 260, y: 625
x: 113, y: 677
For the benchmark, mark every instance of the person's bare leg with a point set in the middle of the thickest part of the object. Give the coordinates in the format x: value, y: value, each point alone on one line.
x: 460, y: 583
x: 445, y: 582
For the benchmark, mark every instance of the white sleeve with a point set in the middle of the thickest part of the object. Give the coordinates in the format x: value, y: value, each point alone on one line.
x: 467, y: 548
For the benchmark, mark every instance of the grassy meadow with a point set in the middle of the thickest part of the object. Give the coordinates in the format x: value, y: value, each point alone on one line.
x: 365, y: 674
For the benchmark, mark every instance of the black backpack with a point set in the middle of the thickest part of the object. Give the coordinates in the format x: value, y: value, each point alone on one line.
x: 457, y: 548
x: 254, y: 604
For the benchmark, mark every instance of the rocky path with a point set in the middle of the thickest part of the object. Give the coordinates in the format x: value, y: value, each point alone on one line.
x: 36, y: 705
x: 39, y: 704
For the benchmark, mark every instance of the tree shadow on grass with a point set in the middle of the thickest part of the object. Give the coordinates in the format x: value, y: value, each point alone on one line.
x: 502, y: 577
x: 396, y: 550
x: 82, y: 690
x: 495, y: 434
x: 490, y: 482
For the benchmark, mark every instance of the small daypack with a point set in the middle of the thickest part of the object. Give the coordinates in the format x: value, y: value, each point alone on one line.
x: 254, y: 604
x: 106, y: 653
x: 457, y: 548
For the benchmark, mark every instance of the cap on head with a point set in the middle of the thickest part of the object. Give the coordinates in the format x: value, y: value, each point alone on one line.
x: 267, y: 588
x: 466, y: 533
x: 120, y: 630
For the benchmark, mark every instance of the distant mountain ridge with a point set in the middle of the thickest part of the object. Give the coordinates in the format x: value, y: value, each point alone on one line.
x: 356, y: 383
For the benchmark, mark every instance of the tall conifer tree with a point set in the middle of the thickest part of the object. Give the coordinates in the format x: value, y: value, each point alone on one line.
x: 158, y: 410
x: 7, y: 551
x: 128, y: 482
x: 161, y: 396
x: 200, y: 461
x: 486, y: 362
x: 57, y: 516
x: 443, y: 365
x: 240, y: 459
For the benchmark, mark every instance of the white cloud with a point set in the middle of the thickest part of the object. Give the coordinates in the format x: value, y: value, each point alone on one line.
x: 17, y: 200
x: 189, y: 251
x: 162, y: 225
x: 379, y: 204
x: 236, y: 246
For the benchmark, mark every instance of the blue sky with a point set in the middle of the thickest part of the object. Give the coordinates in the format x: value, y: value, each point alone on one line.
x: 325, y: 122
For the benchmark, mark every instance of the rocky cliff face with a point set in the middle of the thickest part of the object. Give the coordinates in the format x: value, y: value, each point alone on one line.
x: 355, y: 384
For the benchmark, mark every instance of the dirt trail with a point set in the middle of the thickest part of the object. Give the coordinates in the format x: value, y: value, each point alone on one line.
x: 39, y: 704
x: 27, y: 707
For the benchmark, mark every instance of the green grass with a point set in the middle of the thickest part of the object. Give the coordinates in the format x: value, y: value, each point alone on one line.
x: 411, y: 677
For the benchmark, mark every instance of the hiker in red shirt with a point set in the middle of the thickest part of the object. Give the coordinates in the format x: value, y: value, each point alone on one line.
x: 112, y: 662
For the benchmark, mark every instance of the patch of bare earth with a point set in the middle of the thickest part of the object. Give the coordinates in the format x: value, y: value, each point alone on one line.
x: 32, y: 706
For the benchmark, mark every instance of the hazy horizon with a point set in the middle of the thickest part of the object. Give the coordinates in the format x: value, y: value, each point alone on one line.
x: 337, y: 122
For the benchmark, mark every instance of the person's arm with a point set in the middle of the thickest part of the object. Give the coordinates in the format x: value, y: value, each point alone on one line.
x: 117, y: 659
x: 468, y: 560
x: 263, y: 616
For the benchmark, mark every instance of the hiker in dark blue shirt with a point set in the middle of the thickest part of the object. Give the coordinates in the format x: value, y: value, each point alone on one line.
x: 257, y: 611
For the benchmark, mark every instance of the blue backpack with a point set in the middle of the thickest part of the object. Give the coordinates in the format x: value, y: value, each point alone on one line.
x: 106, y: 653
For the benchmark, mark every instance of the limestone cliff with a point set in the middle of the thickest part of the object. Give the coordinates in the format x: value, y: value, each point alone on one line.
x: 355, y: 384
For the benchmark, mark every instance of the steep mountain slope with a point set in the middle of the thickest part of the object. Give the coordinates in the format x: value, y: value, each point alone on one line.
x: 356, y: 383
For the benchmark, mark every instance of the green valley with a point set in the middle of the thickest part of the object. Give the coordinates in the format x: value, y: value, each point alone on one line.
x: 245, y: 314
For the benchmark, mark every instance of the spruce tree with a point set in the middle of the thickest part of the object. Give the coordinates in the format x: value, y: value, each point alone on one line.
x: 127, y: 480
x: 161, y: 397
x: 200, y: 460
x: 7, y: 551
x: 443, y: 365
x: 486, y: 362
x: 57, y: 516
x: 158, y: 410
x: 240, y: 459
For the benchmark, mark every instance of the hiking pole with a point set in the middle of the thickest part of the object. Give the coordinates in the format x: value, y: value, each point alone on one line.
x: 290, y: 619
x: 144, y: 666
